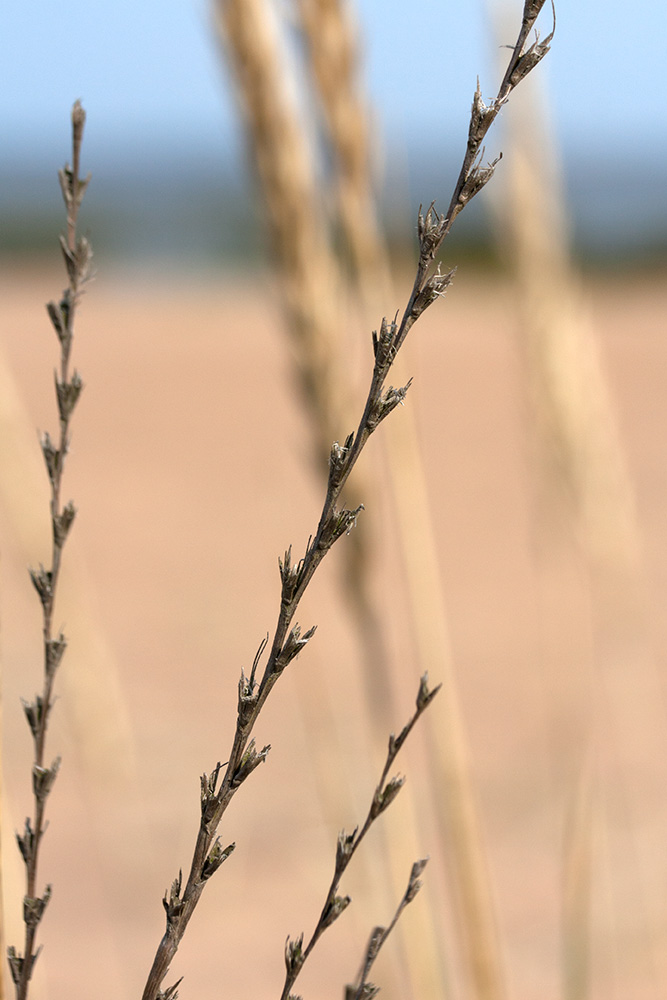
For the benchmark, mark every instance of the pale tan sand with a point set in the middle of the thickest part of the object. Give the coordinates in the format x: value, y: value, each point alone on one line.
x: 189, y: 472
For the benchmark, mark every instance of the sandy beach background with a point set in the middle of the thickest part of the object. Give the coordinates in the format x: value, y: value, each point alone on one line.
x: 191, y: 474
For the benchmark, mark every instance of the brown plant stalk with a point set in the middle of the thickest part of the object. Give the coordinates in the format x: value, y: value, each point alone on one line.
x: 362, y: 989
x: 77, y: 255
x: 218, y: 788
x: 348, y: 843
x: 311, y: 280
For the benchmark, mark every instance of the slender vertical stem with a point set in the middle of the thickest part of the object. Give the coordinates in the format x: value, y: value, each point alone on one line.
x: 77, y: 257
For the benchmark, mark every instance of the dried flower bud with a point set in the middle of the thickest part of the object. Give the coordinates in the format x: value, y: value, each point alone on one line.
x: 67, y: 394
x: 340, y: 522
x: 375, y: 943
x: 15, y: 964
x: 477, y: 177
x: 248, y: 695
x: 34, y: 906
x: 481, y: 117
x: 529, y: 60
x: 78, y: 122
x: 62, y: 523
x: 334, y: 910
x: 215, y: 858
x: 51, y: 457
x: 290, y: 575
x: 434, y: 287
x: 26, y: 842
x: 294, y: 643
x: 43, y: 778
x: 367, y: 991
x: 424, y: 696
x: 72, y: 189
x: 414, y: 884
x: 338, y: 459
x: 54, y: 650
x: 172, y: 901
x: 249, y: 761
x: 66, y: 178
x: 345, y: 847
x: 387, y: 402
x: 59, y: 316
x: 294, y: 957
x: 34, y: 713
x: 77, y: 261
x: 383, y: 344
x: 43, y: 583
x: 208, y: 791
x: 383, y: 799
x: 84, y: 251
x: 429, y: 231
x: 171, y: 993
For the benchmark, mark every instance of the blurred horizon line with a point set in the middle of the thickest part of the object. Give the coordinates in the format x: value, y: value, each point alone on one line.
x: 195, y: 200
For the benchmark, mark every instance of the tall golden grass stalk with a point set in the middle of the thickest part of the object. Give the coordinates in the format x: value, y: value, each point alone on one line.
x: 331, y: 35
x: 332, y: 39
x: 333, y: 48
x: 308, y: 272
x: 311, y: 282
x: 313, y: 285
x: 583, y: 484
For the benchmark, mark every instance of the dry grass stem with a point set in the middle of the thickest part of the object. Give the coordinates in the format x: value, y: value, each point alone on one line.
x: 77, y: 255
x: 363, y: 989
x: 385, y: 792
x: 96, y: 710
x: 218, y: 788
x: 95, y: 698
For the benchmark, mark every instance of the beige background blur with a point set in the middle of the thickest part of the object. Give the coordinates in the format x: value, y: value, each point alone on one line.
x: 190, y: 473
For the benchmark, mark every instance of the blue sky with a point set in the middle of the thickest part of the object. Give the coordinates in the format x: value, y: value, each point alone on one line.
x: 148, y: 70
x: 158, y: 97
